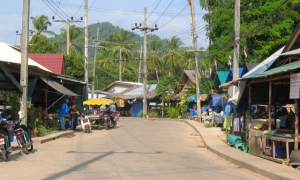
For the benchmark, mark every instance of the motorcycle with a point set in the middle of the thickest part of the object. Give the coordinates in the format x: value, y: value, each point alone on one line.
x: 85, y: 123
x: 23, y: 136
x: 109, y: 120
x: 5, y: 148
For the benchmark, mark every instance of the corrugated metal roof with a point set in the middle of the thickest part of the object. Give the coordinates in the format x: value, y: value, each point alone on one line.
x: 222, y: 75
x: 263, y: 66
x: 54, y: 62
x: 230, y: 74
x: 250, y: 66
x: 140, y: 90
x: 284, y: 68
x: 293, y: 52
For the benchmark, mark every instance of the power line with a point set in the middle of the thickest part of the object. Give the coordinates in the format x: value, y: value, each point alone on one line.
x: 162, y: 13
x: 174, y: 17
x: 79, y: 8
x: 251, y: 32
x: 126, y: 12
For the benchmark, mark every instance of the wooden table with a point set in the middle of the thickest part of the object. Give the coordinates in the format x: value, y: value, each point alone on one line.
x: 280, y: 139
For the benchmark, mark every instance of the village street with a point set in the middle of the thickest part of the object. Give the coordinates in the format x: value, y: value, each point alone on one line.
x: 135, y: 149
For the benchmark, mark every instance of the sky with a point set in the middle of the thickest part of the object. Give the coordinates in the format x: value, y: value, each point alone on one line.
x: 171, y: 16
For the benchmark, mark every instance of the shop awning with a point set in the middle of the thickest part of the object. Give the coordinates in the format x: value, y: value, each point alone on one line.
x: 58, y: 87
x: 284, y: 68
x: 7, y: 80
x: 293, y: 52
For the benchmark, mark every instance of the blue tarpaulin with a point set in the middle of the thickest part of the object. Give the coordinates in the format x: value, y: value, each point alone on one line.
x: 193, y: 98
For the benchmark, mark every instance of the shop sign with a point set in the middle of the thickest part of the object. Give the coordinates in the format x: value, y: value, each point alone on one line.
x: 295, y: 86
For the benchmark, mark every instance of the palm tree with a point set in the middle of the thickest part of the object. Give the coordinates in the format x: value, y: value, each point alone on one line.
x: 76, y: 37
x: 41, y: 24
x: 173, y: 56
x: 105, y: 60
x: 188, y: 61
x: 121, y: 44
x: 155, y: 61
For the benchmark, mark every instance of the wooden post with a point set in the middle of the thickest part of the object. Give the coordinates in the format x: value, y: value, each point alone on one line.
x: 270, y: 101
x: 296, y: 123
x: 249, y: 106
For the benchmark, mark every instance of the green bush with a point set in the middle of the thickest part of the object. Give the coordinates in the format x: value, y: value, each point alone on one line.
x: 41, y: 130
x: 208, y: 125
x: 172, y: 112
x: 153, y: 114
x: 141, y: 114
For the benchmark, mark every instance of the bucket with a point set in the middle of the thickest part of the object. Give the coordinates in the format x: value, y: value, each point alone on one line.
x: 278, y: 123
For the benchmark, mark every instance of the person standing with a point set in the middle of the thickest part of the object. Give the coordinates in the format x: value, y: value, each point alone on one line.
x: 112, y: 108
x: 74, y: 115
x: 64, y: 109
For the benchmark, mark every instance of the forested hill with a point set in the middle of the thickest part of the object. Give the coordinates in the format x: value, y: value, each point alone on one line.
x: 106, y: 29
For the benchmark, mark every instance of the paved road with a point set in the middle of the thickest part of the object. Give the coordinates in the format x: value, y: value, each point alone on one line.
x: 135, y: 149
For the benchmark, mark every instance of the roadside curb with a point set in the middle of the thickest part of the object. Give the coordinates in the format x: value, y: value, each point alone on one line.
x: 245, y: 160
x: 44, y: 139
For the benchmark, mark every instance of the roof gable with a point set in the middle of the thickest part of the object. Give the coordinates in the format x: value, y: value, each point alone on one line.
x: 54, y: 62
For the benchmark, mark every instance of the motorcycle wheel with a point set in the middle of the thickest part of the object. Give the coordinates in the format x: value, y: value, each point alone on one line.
x: 4, y: 155
x: 29, y: 147
x: 106, y: 125
x: 113, y: 124
x: 23, y: 145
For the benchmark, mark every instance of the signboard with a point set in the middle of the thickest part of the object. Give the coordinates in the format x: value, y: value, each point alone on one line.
x: 295, y: 86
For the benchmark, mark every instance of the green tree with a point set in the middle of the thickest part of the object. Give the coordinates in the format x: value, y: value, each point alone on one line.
x: 173, y: 56
x: 265, y: 27
x: 76, y: 39
x: 74, y: 66
x: 167, y: 88
x: 41, y: 44
x: 41, y: 24
x: 155, y: 61
x: 121, y: 46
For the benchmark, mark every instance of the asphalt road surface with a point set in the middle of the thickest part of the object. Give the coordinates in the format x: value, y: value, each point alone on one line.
x: 135, y: 149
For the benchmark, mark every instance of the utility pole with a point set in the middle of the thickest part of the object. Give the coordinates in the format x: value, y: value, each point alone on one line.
x: 95, y: 57
x: 236, y: 40
x: 67, y: 21
x: 86, y: 41
x: 140, y: 64
x: 197, y: 75
x: 20, y: 34
x: 24, y: 60
x: 145, y: 29
x: 120, y: 65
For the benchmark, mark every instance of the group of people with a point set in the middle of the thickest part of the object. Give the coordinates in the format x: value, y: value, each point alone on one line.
x: 107, y: 108
x: 66, y: 110
x: 74, y: 113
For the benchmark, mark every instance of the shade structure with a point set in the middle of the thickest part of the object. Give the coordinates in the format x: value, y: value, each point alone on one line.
x: 98, y: 102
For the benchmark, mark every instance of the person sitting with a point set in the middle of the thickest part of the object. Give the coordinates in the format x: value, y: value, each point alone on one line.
x: 112, y: 108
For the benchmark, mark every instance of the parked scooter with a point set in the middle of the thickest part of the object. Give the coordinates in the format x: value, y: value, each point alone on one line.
x: 23, y: 136
x: 109, y: 120
x: 85, y: 123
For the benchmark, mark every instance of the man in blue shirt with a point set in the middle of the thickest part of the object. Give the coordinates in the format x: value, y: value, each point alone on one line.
x: 64, y: 109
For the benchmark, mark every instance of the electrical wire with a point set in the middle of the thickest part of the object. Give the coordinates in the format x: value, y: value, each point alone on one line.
x: 126, y: 12
x: 152, y: 11
x: 79, y: 8
x: 251, y: 32
x: 173, y: 17
x: 163, y: 13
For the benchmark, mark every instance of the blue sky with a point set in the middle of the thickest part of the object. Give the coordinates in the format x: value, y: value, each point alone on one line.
x: 171, y: 16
